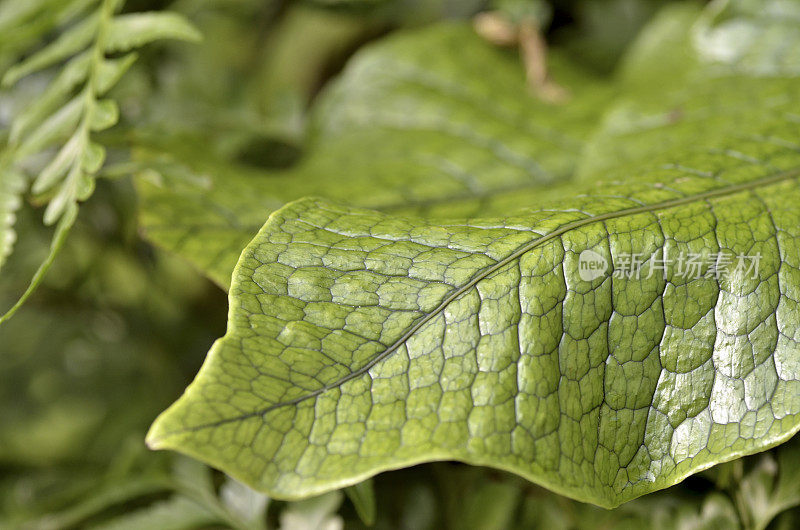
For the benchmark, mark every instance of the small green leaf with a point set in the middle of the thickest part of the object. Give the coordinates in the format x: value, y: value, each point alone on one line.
x: 104, y: 115
x: 54, y: 172
x: 13, y: 13
x: 17, y: 17
x: 192, y: 475
x: 12, y: 186
x: 771, y: 487
x: 787, y: 490
x: 59, y: 238
x: 66, y: 195
x: 112, y: 70
x: 69, y: 43
x: 133, y: 30
x: 316, y: 512
x: 717, y: 512
x: 362, y: 495
x: 73, y: 74
x: 93, y: 158
x: 244, y: 502
x: 177, y: 513
x: 60, y: 125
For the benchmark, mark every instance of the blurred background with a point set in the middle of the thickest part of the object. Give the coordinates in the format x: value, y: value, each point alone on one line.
x: 119, y: 327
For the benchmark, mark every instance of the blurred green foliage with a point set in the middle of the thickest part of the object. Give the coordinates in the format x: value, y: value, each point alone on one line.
x: 119, y: 327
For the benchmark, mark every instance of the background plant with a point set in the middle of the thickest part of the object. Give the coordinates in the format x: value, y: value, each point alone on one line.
x: 200, y: 140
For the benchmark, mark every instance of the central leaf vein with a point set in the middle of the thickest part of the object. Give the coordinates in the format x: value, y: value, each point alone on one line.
x: 488, y: 271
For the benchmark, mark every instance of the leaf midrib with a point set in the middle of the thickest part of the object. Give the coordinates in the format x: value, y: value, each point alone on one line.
x: 486, y: 272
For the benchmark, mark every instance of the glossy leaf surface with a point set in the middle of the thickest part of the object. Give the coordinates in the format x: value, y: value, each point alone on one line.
x: 360, y: 341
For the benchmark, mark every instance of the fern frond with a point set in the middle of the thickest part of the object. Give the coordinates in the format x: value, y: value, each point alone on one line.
x: 24, y: 23
x: 12, y: 185
x: 74, y: 105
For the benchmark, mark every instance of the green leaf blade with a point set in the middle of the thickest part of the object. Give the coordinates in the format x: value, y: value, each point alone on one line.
x: 60, y: 234
x: 504, y: 357
x: 134, y: 30
x: 177, y: 513
x: 71, y: 76
x: 70, y: 175
x: 361, y: 341
x: 12, y: 186
x: 440, y: 107
x: 362, y: 495
x: 69, y: 43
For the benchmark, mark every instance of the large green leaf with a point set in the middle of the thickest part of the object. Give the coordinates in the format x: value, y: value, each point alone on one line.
x: 434, y: 122
x: 361, y: 341
x: 679, y: 48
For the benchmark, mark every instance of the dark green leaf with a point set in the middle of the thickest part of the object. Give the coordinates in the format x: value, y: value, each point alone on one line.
x: 362, y: 495
x: 433, y: 122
